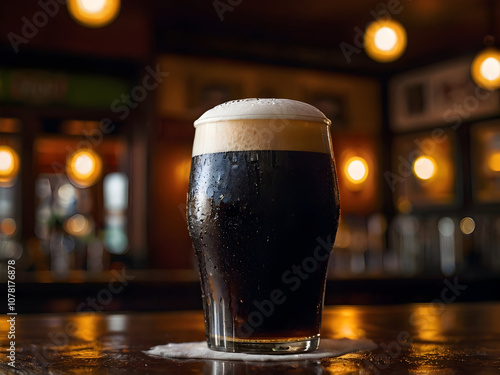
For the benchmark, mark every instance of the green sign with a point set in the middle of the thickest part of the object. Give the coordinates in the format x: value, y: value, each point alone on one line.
x: 48, y: 88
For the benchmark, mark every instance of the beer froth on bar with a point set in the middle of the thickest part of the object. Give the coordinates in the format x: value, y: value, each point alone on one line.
x: 97, y: 104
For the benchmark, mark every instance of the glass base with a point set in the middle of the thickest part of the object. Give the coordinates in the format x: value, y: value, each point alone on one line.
x: 292, y: 346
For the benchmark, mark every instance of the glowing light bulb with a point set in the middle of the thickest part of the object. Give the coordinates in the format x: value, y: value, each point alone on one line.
x: 85, y: 164
x: 92, y: 6
x: 424, y: 167
x: 490, y: 69
x: 356, y: 170
x: 385, y: 40
x: 94, y: 13
x: 6, y: 162
x: 84, y: 167
x: 485, y: 68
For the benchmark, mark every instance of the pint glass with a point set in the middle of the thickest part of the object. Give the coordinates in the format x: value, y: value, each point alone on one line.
x: 263, y: 211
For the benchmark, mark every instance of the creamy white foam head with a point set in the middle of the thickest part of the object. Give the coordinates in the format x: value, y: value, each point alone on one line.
x: 262, y: 124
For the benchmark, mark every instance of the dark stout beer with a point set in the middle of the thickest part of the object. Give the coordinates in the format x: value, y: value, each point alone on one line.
x: 263, y: 222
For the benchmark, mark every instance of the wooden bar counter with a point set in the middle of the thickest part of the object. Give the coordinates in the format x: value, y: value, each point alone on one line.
x: 434, y: 338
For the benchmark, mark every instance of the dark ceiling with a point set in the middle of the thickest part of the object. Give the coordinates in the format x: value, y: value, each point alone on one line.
x: 285, y: 32
x: 309, y: 33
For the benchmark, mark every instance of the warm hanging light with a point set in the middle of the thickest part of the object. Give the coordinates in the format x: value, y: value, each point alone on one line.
x: 9, y: 165
x: 84, y: 167
x: 424, y: 167
x: 385, y: 40
x: 356, y: 170
x: 94, y: 13
x: 485, y: 68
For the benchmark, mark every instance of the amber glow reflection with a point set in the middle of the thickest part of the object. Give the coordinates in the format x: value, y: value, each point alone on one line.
x: 344, y: 323
x: 4, y: 328
x: 94, y: 13
x: 345, y: 364
x: 88, y: 328
x: 428, y: 322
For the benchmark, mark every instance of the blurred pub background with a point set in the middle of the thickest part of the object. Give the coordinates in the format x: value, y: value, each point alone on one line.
x: 97, y: 102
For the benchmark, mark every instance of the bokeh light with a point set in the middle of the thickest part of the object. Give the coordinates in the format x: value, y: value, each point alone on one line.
x: 424, y: 167
x: 84, y: 167
x: 356, y: 170
x: 6, y: 162
x: 115, y: 192
x: 8, y: 226
x: 467, y: 225
x: 385, y: 40
x: 116, y: 240
x: 9, y: 164
x: 490, y: 69
x: 93, y: 6
x: 77, y: 225
x: 65, y: 194
x: 446, y: 226
x: 404, y: 205
x: 11, y: 250
x: 485, y: 68
x: 94, y: 13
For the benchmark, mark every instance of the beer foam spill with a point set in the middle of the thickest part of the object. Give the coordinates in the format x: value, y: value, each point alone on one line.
x: 199, y: 350
x: 254, y: 108
x: 262, y: 134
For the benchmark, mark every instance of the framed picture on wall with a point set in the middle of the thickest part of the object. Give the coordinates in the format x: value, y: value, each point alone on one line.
x: 442, y: 93
x: 485, y: 162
